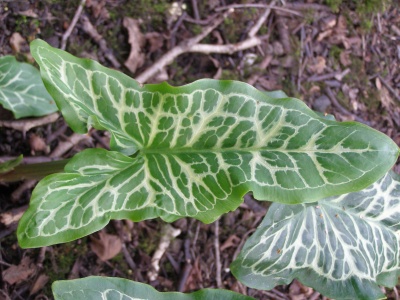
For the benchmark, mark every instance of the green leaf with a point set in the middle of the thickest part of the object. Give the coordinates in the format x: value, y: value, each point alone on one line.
x: 341, y: 246
x: 197, y: 149
x: 9, y: 165
x: 22, y: 90
x: 118, y: 288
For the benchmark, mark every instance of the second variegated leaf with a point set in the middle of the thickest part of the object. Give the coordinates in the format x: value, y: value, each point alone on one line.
x: 195, y: 150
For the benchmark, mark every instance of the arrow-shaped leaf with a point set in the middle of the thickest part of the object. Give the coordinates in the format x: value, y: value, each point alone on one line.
x: 22, y: 90
x: 197, y: 150
x: 118, y: 288
x: 341, y: 246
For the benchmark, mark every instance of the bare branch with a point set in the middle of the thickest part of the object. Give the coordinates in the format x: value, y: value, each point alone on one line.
x: 72, y: 25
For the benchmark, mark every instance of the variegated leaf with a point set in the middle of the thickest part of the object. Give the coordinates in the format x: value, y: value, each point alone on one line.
x: 9, y: 165
x: 197, y: 150
x: 341, y: 246
x: 22, y: 90
x: 118, y: 289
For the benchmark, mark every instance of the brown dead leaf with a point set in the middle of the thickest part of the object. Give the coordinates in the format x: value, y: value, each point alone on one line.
x: 232, y: 240
x: 155, y: 40
x: 40, y: 282
x: 345, y: 58
x: 298, y: 291
x: 17, y: 42
x: 16, y: 274
x: 136, y: 40
x: 317, y: 65
x: 106, y: 246
x: 38, y: 144
x: 28, y: 13
x: 98, y: 8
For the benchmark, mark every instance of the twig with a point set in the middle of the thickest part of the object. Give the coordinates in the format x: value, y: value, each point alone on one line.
x: 301, y: 56
x: 98, y: 138
x: 26, y: 124
x: 263, y: 65
x: 41, y: 257
x: 72, y: 25
x: 93, y: 33
x: 308, y: 6
x: 26, y: 185
x: 195, y: 10
x: 272, y: 295
x: 253, y: 31
x: 65, y: 146
x: 217, y: 255
x: 12, y: 216
x: 51, y: 137
x: 187, y: 268
x: 342, y: 110
x: 387, y: 85
x: 396, y: 293
x: 228, y: 48
x: 183, y: 47
x: 168, y: 233
x: 315, y: 296
x: 259, y: 5
x: 337, y: 74
x: 30, y: 159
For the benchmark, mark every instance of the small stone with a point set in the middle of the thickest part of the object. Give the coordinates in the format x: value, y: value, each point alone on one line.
x: 321, y: 104
x: 278, y: 48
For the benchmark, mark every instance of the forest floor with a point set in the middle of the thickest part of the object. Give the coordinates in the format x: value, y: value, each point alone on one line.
x: 338, y: 58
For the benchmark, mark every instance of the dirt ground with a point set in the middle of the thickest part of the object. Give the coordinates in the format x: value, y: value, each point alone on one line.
x: 339, y: 57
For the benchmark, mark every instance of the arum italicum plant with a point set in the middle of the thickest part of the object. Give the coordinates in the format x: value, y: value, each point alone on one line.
x: 194, y: 151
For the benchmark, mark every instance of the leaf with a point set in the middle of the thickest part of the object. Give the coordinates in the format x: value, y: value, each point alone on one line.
x: 22, y: 90
x: 137, y: 41
x: 9, y: 165
x: 106, y: 246
x: 117, y: 288
x: 341, y: 246
x: 195, y: 151
x: 17, y: 274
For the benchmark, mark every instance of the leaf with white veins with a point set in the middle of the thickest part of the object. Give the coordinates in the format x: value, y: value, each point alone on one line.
x: 22, y: 90
x: 341, y: 246
x: 197, y: 150
x: 117, y: 288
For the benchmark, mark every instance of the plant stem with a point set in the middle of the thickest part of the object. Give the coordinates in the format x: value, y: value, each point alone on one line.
x: 33, y: 171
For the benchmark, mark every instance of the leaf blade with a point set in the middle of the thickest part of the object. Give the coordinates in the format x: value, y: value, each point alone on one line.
x: 22, y: 91
x: 202, y: 146
x: 214, y: 116
x: 341, y: 246
x: 117, y: 288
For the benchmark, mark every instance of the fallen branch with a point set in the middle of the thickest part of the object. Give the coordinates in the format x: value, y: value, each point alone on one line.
x: 217, y: 255
x: 192, y: 45
x: 26, y: 124
x: 167, y: 234
x: 93, y: 33
x: 259, y: 5
x: 72, y: 25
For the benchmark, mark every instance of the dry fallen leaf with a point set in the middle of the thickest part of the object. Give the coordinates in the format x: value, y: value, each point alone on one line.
x: 98, y: 8
x: 155, y: 39
x: 317, y: 66
x: 17, y: 42
x: 39, y: 284
x: 344, y: 58
x: 16, y: 274
x: 29, y: 13
x: 136, y: 40
x: 106, y: 246
x: 38, y: 144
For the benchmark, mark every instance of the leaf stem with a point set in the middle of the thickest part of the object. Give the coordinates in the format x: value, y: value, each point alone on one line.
x: 34, y: 171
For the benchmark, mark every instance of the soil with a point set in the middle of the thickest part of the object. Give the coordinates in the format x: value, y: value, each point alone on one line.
x: 339, y: 57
